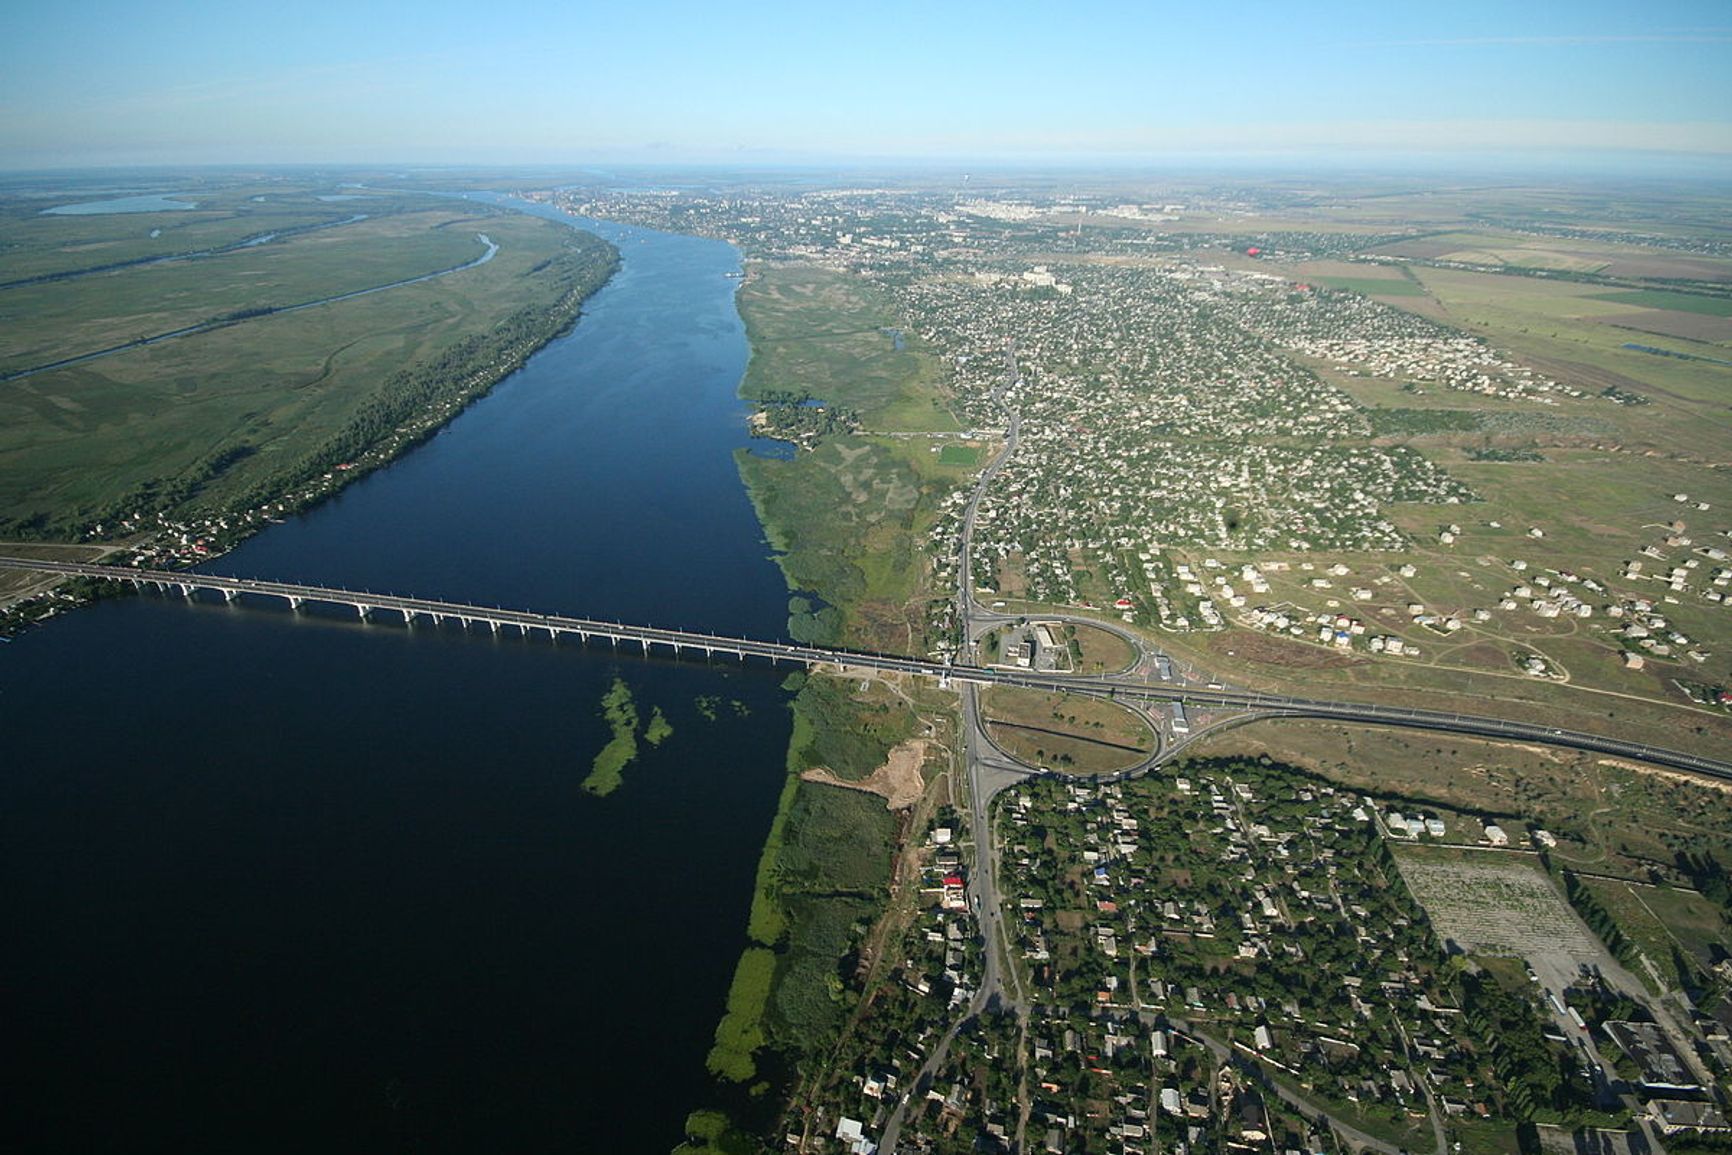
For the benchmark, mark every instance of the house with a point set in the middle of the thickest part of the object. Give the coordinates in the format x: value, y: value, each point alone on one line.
x: 851, y: 1133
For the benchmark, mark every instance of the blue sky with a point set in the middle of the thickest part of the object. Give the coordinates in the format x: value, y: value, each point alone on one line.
x: 495, y: 81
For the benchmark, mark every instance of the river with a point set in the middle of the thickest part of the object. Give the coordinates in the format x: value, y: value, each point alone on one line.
x: 295, y: 882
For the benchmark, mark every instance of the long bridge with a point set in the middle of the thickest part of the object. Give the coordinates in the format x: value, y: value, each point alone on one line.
x: 682, y: 642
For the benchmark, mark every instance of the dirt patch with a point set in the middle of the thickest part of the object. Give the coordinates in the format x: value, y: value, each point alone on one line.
x: 1482, y: 655
x: 898, y: 781
x: 1273, y: 651
x: 1669, y: 775
x: 1504, y: 908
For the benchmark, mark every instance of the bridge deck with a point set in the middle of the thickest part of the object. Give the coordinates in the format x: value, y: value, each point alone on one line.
x: 679, y: 641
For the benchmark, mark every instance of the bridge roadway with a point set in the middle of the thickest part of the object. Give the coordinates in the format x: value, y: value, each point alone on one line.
x: 684, y: 641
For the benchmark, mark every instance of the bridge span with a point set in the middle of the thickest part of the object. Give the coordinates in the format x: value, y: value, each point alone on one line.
x: 679, y: 642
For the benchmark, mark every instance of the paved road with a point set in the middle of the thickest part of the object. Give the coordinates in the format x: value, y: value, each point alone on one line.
x: 1118, y: 686
x: 1351, y: 1135
x: 988, y: 768
x: 986, y: 771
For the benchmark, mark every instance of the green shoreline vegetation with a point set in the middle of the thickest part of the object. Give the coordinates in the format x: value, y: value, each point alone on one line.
x: 608, y: 771
x: 182, y: 449
x: 823, y: 874
x: 846, y: 517
x: 848, y: 514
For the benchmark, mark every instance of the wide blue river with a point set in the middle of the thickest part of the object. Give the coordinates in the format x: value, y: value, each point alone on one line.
x: 279, y: 882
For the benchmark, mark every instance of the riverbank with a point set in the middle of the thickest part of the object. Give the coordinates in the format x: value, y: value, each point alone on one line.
x: 849, y: 516
x: 254, y: 478
x: 421, y: 921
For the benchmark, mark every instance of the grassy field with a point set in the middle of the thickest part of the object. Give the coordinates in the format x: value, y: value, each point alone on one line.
x: 849, y: 518
x: 1101, y: 652
x: 1675, y: 930
x: 238, y: 404
x: 1076, y: 734
x: 53, y: 320
x: 821, y: 332
x: 1609, y: 817
x: 1374, y: 286
x: 228, y: 213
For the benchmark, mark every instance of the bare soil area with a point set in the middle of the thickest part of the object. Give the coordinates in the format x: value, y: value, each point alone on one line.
x: 898, y: 781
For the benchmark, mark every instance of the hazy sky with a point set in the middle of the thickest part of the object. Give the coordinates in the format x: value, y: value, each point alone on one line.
x: 177, y: 81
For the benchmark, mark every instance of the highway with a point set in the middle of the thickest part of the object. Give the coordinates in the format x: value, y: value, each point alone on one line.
x: 1119, y: 686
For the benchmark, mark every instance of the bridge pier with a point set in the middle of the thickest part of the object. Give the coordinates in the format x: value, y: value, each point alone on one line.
x: 185, y: 590
x: 230, y: 595
x: 408, y: 616
x: 362, y: 610
x: 294, y: 602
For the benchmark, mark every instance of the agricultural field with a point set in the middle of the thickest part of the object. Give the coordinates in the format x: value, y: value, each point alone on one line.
x: 1682, y: 302
x: 218, y: 418
x: 1374, y: 286
x: 1582, y: 254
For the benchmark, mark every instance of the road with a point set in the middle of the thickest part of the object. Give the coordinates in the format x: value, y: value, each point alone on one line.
x: 1123, y: 687
x: 988, y: 768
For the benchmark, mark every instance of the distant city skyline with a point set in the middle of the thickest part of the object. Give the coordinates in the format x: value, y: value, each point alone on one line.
x: 506, y: 83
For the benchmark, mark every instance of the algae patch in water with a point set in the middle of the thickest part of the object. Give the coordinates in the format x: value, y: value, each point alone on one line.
x: 620, y: 711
